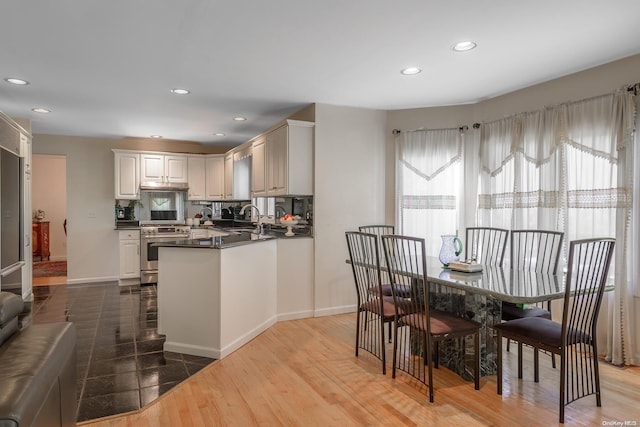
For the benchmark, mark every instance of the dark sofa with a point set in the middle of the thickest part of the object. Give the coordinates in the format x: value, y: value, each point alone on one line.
x: 37, y: 370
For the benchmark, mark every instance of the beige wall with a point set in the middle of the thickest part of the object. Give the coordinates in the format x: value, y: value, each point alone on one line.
x: 349, y: 191
x: 49, y: 193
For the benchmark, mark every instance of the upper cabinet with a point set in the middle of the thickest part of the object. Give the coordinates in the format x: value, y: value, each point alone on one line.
x: 228, y: 176
x: 161, y: 168
x: 258, y: 175
x: 242, y: 156
x: 127, y: 175
x: 196, y: 172
x: 289, y: 159
x: 25, y: 152
x: 214, y: 180
x: 276, y: 163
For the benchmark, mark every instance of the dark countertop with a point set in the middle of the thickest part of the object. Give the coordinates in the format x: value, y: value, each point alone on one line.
x: 221, y: 242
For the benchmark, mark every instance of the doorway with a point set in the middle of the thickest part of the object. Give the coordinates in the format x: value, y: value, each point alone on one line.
x: 49, y: 205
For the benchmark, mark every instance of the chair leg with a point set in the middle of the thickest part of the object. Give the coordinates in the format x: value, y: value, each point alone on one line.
x: 536, y: 370
x: 508, y: 342
x: 382, y: 348
x: 436, y: 355
x: 427, y: 353
x: 390, y: 331
x: 499, y: 368
x: 563, y: 369
x: 553, y: 360
x: 395, y: 349
x: 596, y: 372
x: 357, y: 331
x: 519, y: 360
x: 477, y: 360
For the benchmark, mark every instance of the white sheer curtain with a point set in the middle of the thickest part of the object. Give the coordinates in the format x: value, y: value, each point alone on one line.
x: 429, y: 184
x: 568, y: 168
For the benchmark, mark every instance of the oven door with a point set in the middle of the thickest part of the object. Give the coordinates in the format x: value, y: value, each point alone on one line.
x: 149, y: 256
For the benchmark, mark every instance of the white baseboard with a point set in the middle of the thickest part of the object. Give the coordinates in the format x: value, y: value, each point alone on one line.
x: 129, y: 282
x: 239, y: 342
x: 295, y: 315
x: 195, y: 350
x: 92, y: 280
x: 329, y: 311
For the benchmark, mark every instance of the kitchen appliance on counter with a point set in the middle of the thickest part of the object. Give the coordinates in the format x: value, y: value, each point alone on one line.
x: 150, y: 234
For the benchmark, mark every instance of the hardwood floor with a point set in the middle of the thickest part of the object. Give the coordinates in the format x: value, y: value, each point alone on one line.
x: 49, y: 281
x: 304, y: 373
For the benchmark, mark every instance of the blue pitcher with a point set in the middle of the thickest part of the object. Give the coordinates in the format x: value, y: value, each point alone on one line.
x: 451, y: 249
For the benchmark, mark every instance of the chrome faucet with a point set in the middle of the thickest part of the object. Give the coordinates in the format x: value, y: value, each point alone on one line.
x: 259, y: 228
x: 283, y: 210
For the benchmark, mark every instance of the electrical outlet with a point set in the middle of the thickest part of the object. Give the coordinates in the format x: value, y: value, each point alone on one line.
x: 92, y: 214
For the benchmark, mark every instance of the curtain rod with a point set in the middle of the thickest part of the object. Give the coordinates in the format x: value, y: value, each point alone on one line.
x: 461, y: 129
x: 635, y: 88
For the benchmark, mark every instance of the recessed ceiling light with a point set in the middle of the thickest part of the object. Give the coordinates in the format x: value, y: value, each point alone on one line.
x: 411, y: 71
x: 219, y: 134
x: 239, y: 119
x: 180, y: 91
x: 156, y: 136
x: 40, y: 110
x: 464, y: 46
x: 15, y: 81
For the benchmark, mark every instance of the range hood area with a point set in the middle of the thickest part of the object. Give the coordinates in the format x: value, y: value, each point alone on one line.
x: 164, y: 186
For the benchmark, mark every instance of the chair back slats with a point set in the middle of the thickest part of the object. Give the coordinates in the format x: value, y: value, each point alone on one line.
x: 364, y: 256
x: 588, y: 267
x: 536, y: 250
x: 486, y: 245
x: 379, y: 231
x: 407, y: 268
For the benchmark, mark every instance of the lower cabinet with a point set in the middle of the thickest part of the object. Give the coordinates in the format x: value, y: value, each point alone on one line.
x: 129, y: 246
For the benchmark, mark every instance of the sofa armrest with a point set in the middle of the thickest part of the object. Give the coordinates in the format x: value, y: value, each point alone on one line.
x: 11, y: 305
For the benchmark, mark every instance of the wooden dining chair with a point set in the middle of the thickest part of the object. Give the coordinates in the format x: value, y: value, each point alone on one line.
x: 574, y: 340
x: 418, y: 329
x: 374, y: 310
x: 486, y: 245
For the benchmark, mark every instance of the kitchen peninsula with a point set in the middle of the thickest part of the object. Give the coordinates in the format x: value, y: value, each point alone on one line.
x: 217, y: 294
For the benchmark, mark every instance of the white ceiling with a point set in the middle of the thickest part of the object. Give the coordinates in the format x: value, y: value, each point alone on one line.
x: 105, y: 68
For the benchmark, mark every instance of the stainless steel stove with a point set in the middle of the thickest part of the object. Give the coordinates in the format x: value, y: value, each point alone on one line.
x: 154, y: 233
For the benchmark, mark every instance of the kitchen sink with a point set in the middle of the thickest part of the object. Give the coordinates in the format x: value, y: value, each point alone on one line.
x: 242, y: 229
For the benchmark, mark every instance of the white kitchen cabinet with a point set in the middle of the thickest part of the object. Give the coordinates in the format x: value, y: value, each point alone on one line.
x: 127, y: 175
x: 289, y: 159
x: 196, y: 172
x: 258, y: 186
x: 27, y: 269
x: 161, y: 168
x: 214, y: 185
x: 25, y: 148
x: 228, y: 176
x: 129, y: 248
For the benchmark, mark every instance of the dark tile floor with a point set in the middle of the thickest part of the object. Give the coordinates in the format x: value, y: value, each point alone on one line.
x: 121, y: 365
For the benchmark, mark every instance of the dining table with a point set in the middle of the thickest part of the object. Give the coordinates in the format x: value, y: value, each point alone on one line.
x: 479, y: 296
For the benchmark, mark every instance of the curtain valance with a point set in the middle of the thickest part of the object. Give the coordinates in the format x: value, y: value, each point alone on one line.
x: 587, y: 125
x: 428, y: 153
